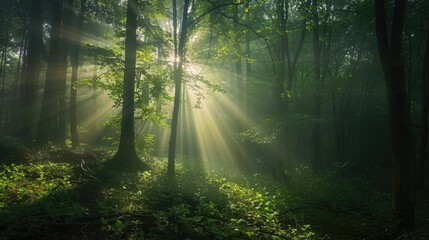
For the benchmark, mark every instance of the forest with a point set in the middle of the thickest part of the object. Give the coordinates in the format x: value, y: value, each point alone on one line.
x: 214, y: 119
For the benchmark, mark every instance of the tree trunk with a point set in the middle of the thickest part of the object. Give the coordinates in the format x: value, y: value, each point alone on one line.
x: 237, y: 44
x: 399, y: 116
x: 65, y: 47
x: 126, y: 151
x: 74, y: 56
x: 316, y: 151
x: 281, y: 69
x: 248, y: 61
x: 48, y: 120
x: 14, y: 111
x: 3, y: 77
x: 178, y: 73
x: 425, y: 110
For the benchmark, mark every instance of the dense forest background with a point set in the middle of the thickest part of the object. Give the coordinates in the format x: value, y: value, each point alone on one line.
x: 213, y: 119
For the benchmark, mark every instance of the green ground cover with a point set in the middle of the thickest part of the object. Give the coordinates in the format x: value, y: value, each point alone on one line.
x: 83, y: 200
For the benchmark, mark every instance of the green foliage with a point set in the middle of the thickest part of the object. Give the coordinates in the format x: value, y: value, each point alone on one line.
x: 201, y: 204
x: 28, y: 183
x: 206, y: 205
x: 264, y: 133
x: 335, y: 199
x: 36, y: 194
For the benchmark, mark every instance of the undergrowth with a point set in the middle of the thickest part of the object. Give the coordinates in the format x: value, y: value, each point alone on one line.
x: 60, y: 201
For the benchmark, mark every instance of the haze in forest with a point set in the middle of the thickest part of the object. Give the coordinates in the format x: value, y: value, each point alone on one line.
x: 146, y: 118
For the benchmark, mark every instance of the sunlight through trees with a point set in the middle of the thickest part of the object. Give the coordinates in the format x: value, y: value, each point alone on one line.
x: 214, y: 119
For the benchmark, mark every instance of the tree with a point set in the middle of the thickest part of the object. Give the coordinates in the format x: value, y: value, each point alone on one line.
x: 32, y: 70
x: 178, y: 73
x: 389, y: 51
x: 48, y: 120
x: 66, y: 27
x: 425, y: 111
x: 237, y: 45
x: 74, y: 56
x: 316, y: 151
x: 126, y: 151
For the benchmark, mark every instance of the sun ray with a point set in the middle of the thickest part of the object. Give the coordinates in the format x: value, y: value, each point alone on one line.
x: 215, y: 123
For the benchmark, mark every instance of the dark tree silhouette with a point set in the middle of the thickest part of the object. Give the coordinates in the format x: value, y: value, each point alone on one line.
x: 48, y: 120
x: 74, y: 57
x: 33, y: 68
x: 316, y: 151
x: 404, y: 199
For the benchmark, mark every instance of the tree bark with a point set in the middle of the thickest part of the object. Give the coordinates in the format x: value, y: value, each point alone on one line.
x: 178, y: 73
x: 74, y: 56
x: 60, y: 137
x: 237, y: 44
x: 316, y: 151
x: 281, y: 69
x: 248, y: 57
x: 3, y: 77
x: 48, y: 120
x: 399, y: 116
x: 126, y: 151
x: 14, y: 111
x: 425, y: 110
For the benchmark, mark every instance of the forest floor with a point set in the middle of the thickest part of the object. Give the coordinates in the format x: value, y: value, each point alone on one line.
x: 57, y: 194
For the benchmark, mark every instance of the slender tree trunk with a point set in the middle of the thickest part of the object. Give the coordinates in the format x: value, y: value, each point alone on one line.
x: 62, y: 90
x: 281, y: 69
x: 425, y: 110
x: 95, y: 101
x: 75, y: 51
x: 316, y: 152
x: 248, y: 59
x: 48, y: 121
x: 292, y: 62
x: 237, y: 43
x: 126, y: 151
x: 13, y: 120
x: 32, y: 68
x: 403, y: 155
x: 336, y: 127
x: 177, y: 90
x: 3, y: 78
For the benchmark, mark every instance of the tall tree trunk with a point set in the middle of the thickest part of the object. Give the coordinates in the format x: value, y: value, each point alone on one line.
x: 403, y: 155
x: 178, y: 73
x: 425, y: 110
x: 237, y: 44
x: 48, y: 120
x: 65, y: 47
x: 14, y: 121
x: 126, y: 151
x: 281, y: 69
x: 292, y: 62
x: 316, y: 151
x: 74, y: 56
x: 3, y: 78
x: 248, y: 59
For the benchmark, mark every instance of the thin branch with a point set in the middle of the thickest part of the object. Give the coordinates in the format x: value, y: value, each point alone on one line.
x: 267, y: 41
x: 215, y: 7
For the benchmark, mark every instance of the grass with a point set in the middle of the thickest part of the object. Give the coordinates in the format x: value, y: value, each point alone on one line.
x: 78, y: 200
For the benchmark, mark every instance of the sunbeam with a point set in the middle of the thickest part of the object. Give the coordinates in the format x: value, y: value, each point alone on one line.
x: 210, y: 122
